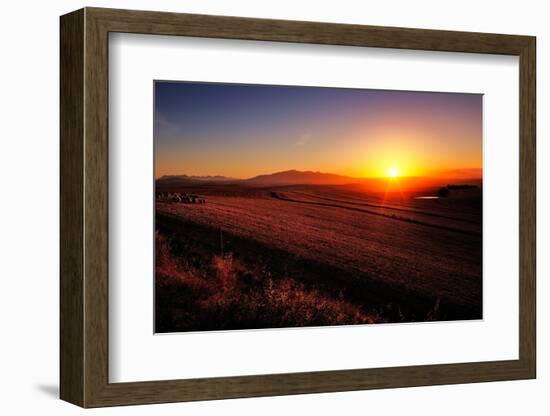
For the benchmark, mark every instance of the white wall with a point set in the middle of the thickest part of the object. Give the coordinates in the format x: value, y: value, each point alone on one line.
x: 29, y: 210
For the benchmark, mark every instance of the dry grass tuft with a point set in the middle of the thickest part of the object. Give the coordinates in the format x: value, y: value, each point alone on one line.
x: 226, y: 294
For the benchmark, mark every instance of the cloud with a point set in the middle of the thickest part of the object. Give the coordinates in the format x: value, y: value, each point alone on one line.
x: 304, y: 139
x: 165, y: 128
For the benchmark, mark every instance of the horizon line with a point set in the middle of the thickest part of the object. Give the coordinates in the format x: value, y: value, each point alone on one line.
x: 434, y: 175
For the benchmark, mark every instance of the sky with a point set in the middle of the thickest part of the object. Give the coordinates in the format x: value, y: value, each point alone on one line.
x: 240, y: 130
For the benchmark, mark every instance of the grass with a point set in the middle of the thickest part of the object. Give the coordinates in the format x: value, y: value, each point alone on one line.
x: 434, y: 260
x: 224, y: 293
x: 246, y: 259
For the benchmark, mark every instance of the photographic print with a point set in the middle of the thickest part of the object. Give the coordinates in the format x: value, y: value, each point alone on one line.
x: 298, y: 206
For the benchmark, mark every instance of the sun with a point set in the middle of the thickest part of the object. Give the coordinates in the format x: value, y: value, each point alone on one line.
x: 393, y: 172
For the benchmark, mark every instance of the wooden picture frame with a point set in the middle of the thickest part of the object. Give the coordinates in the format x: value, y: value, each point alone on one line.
x: 84, y: 207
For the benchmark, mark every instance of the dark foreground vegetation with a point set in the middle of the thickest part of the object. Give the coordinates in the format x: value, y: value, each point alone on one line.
x: 223, y: 293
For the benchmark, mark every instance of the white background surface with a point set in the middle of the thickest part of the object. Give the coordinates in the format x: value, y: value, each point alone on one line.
x: 136, y: 355
x: 29, y: 212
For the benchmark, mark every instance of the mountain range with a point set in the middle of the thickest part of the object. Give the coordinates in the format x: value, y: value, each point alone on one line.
x: 288, y: 177
x: 296, y: 177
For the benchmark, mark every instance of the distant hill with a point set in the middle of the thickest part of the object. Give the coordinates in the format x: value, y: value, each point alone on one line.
x: 295, y: 177
x: 182, y: 180
x: 458, y: 174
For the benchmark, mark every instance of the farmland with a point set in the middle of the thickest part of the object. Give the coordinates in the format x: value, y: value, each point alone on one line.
x: 295, y: 255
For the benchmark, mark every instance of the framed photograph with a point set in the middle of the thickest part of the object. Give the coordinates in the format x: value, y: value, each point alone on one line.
x: 263, y: 207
